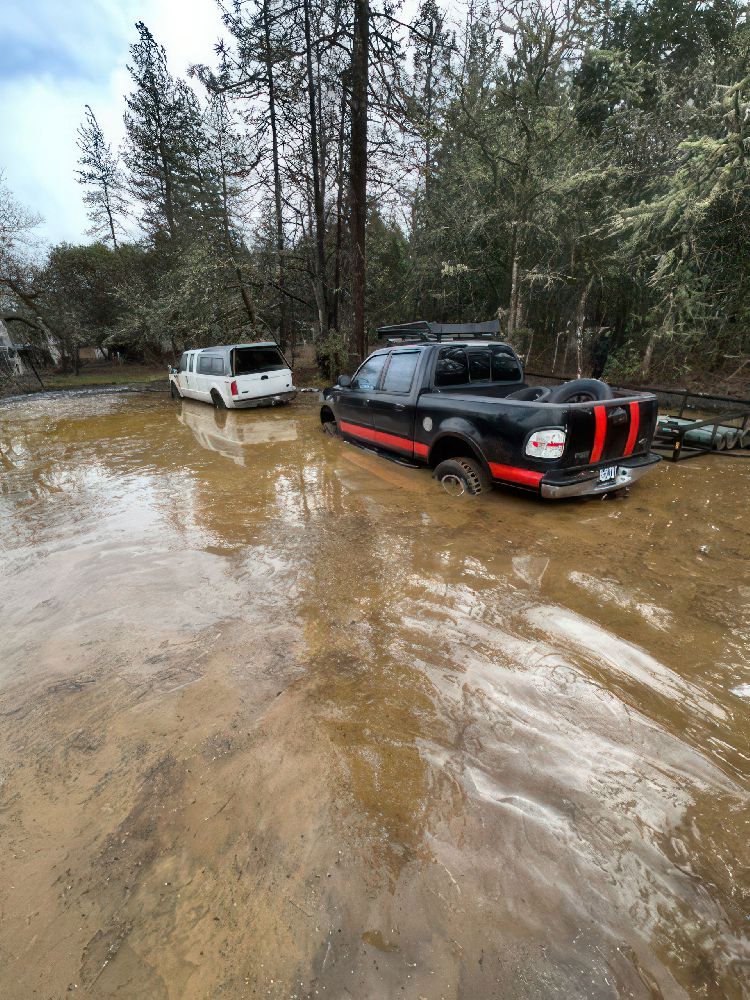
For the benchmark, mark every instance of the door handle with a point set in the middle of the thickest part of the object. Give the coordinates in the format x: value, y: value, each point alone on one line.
x: 399, y: 406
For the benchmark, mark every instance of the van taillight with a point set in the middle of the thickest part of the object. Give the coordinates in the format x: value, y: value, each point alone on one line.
x: 546, y: 444
x: 233, y: 388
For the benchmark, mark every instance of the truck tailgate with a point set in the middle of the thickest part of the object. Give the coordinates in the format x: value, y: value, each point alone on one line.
x: 606, y: 431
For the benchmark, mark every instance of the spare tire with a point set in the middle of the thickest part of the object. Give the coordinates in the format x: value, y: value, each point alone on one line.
x: 531, y: 393
x: 580, y: 390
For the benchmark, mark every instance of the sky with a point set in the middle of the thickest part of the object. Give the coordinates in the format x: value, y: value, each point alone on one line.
x: 57, y: 57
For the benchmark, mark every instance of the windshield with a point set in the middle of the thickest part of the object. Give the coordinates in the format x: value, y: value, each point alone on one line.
x: 251, y: 360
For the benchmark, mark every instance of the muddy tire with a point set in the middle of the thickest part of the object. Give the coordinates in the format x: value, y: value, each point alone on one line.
x: 462, y: 477
x: 174, y: 391
x: 331, y: 428
x: 218, y: 401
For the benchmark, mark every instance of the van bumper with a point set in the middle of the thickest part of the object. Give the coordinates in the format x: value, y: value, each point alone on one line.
x: 273, y: 400
x: 558, y: 486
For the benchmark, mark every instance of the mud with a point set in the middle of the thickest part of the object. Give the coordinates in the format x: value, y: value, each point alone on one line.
x: 279, y: 719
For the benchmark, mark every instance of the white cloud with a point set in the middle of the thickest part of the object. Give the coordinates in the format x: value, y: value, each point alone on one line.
x: 45, y: 84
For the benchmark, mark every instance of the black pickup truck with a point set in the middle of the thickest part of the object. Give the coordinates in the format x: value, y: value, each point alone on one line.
x: 463, y: 409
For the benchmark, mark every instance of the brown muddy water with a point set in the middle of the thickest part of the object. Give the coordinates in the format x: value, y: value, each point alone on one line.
x: 280, y: 719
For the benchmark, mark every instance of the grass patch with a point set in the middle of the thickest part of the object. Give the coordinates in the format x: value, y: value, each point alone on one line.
x: 111, y: 376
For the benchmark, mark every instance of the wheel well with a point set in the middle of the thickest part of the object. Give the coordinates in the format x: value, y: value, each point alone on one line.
x: 326, y: 415
x: 214, y: 393
x: 454, y: 447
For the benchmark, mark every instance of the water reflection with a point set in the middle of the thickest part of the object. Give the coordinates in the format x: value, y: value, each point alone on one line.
x: 233, y: 434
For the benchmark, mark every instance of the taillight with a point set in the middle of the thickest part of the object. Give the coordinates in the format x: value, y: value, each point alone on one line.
x: 233, y: 388
x: 546, y: 444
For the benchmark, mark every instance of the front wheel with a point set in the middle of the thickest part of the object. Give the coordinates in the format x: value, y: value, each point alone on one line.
x: 462, y: 477
x: 174, y: 391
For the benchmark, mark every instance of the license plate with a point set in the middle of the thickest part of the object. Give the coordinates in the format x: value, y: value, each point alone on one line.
x: 608, y: 475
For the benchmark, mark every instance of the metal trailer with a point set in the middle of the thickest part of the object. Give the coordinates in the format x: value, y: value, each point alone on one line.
x: 683, y: 439
x: 679, y: 438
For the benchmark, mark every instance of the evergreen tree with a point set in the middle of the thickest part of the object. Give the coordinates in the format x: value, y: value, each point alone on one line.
x: 100, y: 174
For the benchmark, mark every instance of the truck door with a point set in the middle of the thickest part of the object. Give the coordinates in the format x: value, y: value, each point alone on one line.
x: 181, y: 377
x: 392, y: 407
x: 190, y: 376
x: 353, y: 403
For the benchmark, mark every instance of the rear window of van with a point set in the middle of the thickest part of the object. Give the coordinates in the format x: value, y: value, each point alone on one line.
x: 252, y: 360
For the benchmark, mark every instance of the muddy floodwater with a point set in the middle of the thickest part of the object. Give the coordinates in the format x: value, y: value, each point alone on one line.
x: 280, y: 719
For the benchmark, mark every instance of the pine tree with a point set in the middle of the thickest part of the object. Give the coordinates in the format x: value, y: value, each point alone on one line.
x: 158, y: 122
x: 100, y: 174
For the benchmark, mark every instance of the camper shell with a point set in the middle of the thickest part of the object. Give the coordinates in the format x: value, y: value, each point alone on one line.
x: 234, y: 376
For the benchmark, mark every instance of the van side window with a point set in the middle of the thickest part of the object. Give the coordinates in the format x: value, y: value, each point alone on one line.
x: 182, y: 367
x: 217, y: 366
x: 400, y: 372
x: 206, y: 364
x: 452, y: 367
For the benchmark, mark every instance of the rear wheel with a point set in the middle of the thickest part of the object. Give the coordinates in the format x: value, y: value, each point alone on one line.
x: 462, y: 477
x: 217, y: 400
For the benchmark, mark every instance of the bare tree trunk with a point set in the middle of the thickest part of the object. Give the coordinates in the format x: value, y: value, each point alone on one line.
x: 648, y: 354
x: 280, y: 270
x: 334, y: 322
x: 321, y: 291
x: 580, y: 325
x: 513, y: 309
x: 168, y: 195
x: 246, y: 299
x: 358, y: 170
x: 110, y: 218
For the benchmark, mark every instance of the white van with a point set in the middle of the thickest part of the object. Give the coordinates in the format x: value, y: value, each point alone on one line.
x: 237, y: 376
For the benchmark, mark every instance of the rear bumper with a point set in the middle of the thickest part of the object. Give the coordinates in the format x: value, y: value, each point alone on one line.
x: 271, y: 400
x: 558, y: 486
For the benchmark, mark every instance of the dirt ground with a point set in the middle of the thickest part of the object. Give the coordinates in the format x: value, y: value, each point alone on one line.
x: 279, y: 719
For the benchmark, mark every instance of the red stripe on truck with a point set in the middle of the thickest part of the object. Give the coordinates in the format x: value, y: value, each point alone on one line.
x: 600, y: 433
x: 377, y: 437
x: 512, y: 474
x: 635, y: 423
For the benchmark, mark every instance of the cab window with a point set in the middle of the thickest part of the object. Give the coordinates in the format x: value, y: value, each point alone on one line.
x: 400, y: 373
x: 505, y: 366
x: 191, y: 363
x: 182, y: 367
x: 479, y: 365
x: 452, y: 367
x: 368, y: 374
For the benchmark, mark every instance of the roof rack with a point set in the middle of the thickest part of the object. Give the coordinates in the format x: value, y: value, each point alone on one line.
x: 423, y: 331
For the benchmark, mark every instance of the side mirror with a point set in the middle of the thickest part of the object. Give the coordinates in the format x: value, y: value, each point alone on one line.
x: 344, y: 381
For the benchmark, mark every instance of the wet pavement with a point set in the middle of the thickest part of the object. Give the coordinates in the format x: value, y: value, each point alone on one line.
x: 280, y: 719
